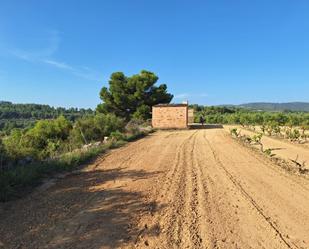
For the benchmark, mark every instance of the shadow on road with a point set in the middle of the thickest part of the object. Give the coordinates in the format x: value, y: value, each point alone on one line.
x: 205, y: 126
x: 85, y: 210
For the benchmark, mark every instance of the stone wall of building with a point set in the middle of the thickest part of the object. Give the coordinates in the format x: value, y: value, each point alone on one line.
x: 190, y: 116
x: 170, y: 116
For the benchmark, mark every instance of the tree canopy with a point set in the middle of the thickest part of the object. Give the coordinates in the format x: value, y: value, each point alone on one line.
x: 9, y: 111
x: 25, y: 115
x: 132, y: 97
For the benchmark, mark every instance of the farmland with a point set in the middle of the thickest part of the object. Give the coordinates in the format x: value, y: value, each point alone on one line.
x: 172, y: 189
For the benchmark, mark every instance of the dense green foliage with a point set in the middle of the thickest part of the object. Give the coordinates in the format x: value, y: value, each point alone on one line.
x: 49, y: 138
x: 3, y: 153
x: 9, y: 110
x: 27, y: 155
x: 132, y: 97
x: 95, y: 128
x: 278, y: 107
x: 225, y: 115
x: 25, y: 115
x: 54, y: 145
x: 26, y: 176
x: 37, y: 140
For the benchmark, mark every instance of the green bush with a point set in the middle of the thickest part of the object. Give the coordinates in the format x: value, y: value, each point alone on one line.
x: 117, y: 135
x: 234, y: 132
x: 16, y: 179
x: 95, y: 128
x: 54, y: 146
x: 39, y: 142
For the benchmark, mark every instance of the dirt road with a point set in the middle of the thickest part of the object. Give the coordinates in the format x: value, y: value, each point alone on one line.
x: 178, y: 189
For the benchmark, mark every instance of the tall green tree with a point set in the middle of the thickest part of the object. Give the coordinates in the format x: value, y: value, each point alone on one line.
x: 132, y: 97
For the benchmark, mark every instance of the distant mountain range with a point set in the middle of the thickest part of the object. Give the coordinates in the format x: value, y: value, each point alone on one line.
x: 264, y: 106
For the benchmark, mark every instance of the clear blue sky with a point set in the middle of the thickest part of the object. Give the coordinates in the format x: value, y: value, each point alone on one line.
x: 209, y: 52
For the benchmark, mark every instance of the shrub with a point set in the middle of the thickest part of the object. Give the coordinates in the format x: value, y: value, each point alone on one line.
x: 295, y: 134
x: 13, y: 146
x: 257, y: 138
x: 95, y: 128
x: 269, y: 152
x: 54, y: 146
x: 133, y: 126
x: 13, y: 180
x: 234, y: 132
x: 39, y: 142
x: 117, y: 135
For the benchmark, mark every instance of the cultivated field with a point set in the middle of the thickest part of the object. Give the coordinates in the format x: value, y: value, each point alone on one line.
x: 172, y: 189
x: 282, y: 148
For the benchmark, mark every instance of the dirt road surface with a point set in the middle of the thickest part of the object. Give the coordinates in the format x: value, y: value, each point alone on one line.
x: 173, y: 189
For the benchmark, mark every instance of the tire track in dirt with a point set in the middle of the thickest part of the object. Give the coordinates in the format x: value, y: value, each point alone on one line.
x: 273, y: 166
x: 169, y: 182
x: 282, y: 196
x: 200, y: 211
x: 248, y: 196
x: 173, y: 189
x: 208, y: 239
x: 213, y: 220
x: 194, y: 191
x: 177, y: 221
x: 183, y: 221
x: 200, y: 233
x: 162, y: 194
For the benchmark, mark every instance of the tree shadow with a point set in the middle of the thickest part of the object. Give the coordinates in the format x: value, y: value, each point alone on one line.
x: 278, y: 148
x: 205, y: 126
x: 92, y: 209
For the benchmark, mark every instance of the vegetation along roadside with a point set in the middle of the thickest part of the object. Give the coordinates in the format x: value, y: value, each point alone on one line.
x: 30, y: 154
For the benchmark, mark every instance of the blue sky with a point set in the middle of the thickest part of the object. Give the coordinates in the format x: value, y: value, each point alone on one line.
x: 210, y: 52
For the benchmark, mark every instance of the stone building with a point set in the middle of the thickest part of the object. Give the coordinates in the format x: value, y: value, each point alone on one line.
x: 190, y: 115
x: 170, y: 116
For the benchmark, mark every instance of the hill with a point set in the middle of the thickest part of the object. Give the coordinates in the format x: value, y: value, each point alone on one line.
x: 291, y: 106
x: 22, y: 115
